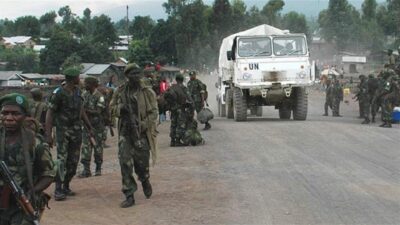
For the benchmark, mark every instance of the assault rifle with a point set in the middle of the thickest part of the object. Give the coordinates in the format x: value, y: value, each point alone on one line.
x: 18, y: 193
x: 131, y: 127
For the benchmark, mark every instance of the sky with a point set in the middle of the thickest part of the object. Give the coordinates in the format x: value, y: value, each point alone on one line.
x: 12, y: 9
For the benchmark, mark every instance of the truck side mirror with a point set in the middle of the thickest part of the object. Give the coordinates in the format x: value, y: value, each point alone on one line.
x: 229, y: 55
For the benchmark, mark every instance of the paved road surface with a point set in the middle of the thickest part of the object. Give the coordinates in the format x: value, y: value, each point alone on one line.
x: 265, y: 171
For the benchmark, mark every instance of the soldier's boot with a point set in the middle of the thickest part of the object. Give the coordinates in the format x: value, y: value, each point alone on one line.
x: 59, y: 194
x: 179, y: 143
x: 207, y: 126
x: 366, y: 121
x: 383, y: 124
x: 67, y: 190
x: 173, y: 142
x: 98, y: 169
x: 128, y: 202
x: 147, y: 189
x: 85, y: 172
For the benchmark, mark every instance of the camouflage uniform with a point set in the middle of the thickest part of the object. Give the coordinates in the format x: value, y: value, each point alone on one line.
x: 363, y: 98
x: 337, y: 97
x: 178, y: 99
x: 373, y: 84
x: 29, y: 161
x: 94, y: 105
x: 197, y: 91
x: 67, y: 116
x: 390, y: 96
x: 132, y: 156
x: 328, y: 98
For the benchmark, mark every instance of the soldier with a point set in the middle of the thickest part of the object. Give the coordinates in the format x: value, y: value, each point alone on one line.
x: 198, y: 92
x: 94, y: 105
x: 360, y: 100
x: 39, y: 108
x: 178, y: 99
x: 363, y: 97
x: 328, y: 97
x: 337, y: 97
x: 390, y: 94
x: 391, y: 59
x: 66, y: 110
x: 373, y: 84
x: 28, y: 159
x: 136, y: 107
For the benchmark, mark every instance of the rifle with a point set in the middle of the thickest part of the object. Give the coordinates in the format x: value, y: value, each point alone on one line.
x: 131, y: 127
x: 111, y: 130
x: 18, y: 193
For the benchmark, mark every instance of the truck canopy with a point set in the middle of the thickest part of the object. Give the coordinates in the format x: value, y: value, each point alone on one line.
x: 255, y: 31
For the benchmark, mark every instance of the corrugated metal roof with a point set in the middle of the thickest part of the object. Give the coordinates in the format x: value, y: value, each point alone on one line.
x: 6, y: 75
x: 97, y: 69
x: 86, y: 66
x: 17, y: 39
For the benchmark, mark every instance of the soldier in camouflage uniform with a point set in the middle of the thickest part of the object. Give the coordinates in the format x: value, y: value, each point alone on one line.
x: 136, y: 107
x: 390, y: 95
x: 328, y: 97
x: 94, y: 105
x: 197, y: 91
x: 337, y: 97
x: 179, y: 102
x: 66, y: 110
x: 20, y: 147
x: 373, y: 84
x: 38, y: 108
x: 363, y: 97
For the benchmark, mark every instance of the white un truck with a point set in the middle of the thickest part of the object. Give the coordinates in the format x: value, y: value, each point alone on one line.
x: 264, y: 66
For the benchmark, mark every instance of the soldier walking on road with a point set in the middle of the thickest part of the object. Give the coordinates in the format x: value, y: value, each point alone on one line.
x: 28, y: 158
x: 38, y: 108
x: 94, y: 106
x: 136, y: 107
x: 179, y: 100
x: 328, y: 97
x: 197, y: 91
x: 363, y: 98
x: 66, y: 111
x: 337, y: 97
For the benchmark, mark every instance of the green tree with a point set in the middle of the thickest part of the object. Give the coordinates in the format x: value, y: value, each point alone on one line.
x: 60, y: 46
x: 94, y: 52
x: 162, y: 40
x: 369, y: 9
x: 238, y: 15
x: 74, y: 60
x: 295, y: 23
x: 27, y: 25
x: 141, y: 27
x: 19, y: 58
x: 272, y: 10
x: 139, y: 52
x: 103, y: 30
x: 47, y: 23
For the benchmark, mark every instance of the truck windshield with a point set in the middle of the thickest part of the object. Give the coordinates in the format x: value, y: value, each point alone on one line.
x: 251, y: 47
x: 284, y: 46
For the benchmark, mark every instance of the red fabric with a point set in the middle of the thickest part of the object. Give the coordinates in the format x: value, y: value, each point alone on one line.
x: 158, y: 67
x: 163, y: 86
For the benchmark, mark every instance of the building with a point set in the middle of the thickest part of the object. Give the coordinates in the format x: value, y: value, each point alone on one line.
x: 11, y: 78
x: 102, y: 71
x: 353, y: 64
x: 21, y: 41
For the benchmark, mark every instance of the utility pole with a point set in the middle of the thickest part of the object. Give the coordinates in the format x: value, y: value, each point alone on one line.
x: 127, y: 23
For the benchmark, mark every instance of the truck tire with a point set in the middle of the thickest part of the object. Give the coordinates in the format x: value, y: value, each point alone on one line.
x: 239, y: 106
x: 300, y: 105
x: 259, y: 111
x: 285, y: 112
x: 229, y: 104
x: 221, y: 109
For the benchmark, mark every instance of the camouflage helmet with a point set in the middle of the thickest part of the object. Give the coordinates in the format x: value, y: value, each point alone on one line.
x: 36, y: 92
x: 132, y: 68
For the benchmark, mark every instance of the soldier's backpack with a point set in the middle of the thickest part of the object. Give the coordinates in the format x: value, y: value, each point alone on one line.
x: 192, y: 136
x: 205, y: 115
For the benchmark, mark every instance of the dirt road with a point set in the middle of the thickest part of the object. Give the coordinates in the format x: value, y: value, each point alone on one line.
x: 264, y: 171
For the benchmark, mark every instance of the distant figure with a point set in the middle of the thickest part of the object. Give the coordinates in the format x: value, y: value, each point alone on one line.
x: 373, y: 84
x: 198, y: 92
x: 390, y: 95
x: 391, y: 59
x: 328, y: 97
x: 363, y: 98
x: 337, y: 97
x: 38, y: 108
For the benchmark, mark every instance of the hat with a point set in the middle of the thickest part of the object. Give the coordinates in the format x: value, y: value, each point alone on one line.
x: 15, y: 99
x: 36, y: 92
x: 132, y: 68
x: 179, y: 77
x: 191, y: 73
x: 71, y: 72
x: 91, y: 80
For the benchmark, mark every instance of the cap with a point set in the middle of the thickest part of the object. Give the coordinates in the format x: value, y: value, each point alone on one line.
x: 91, y: 79
x: 132, y: 68
x: 15, y: 99
x: 71, y: 72
x: 36, y: 91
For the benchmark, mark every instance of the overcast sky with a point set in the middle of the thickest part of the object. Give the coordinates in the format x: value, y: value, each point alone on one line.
x: 12, y: 9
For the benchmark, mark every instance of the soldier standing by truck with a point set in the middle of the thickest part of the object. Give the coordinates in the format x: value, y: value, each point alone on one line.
x: 198, y: 92
x: 94, y: 106
x: 136, y: 107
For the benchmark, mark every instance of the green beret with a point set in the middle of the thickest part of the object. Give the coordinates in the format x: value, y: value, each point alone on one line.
x: 15, y: 99
x: 91, y: 79
x: 71, y: 72
x: 132, y: 68
x: 179, y: 77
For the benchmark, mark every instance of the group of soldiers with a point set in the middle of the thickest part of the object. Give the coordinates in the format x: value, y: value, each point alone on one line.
x: 374, y: 93
x: 77, y: 121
